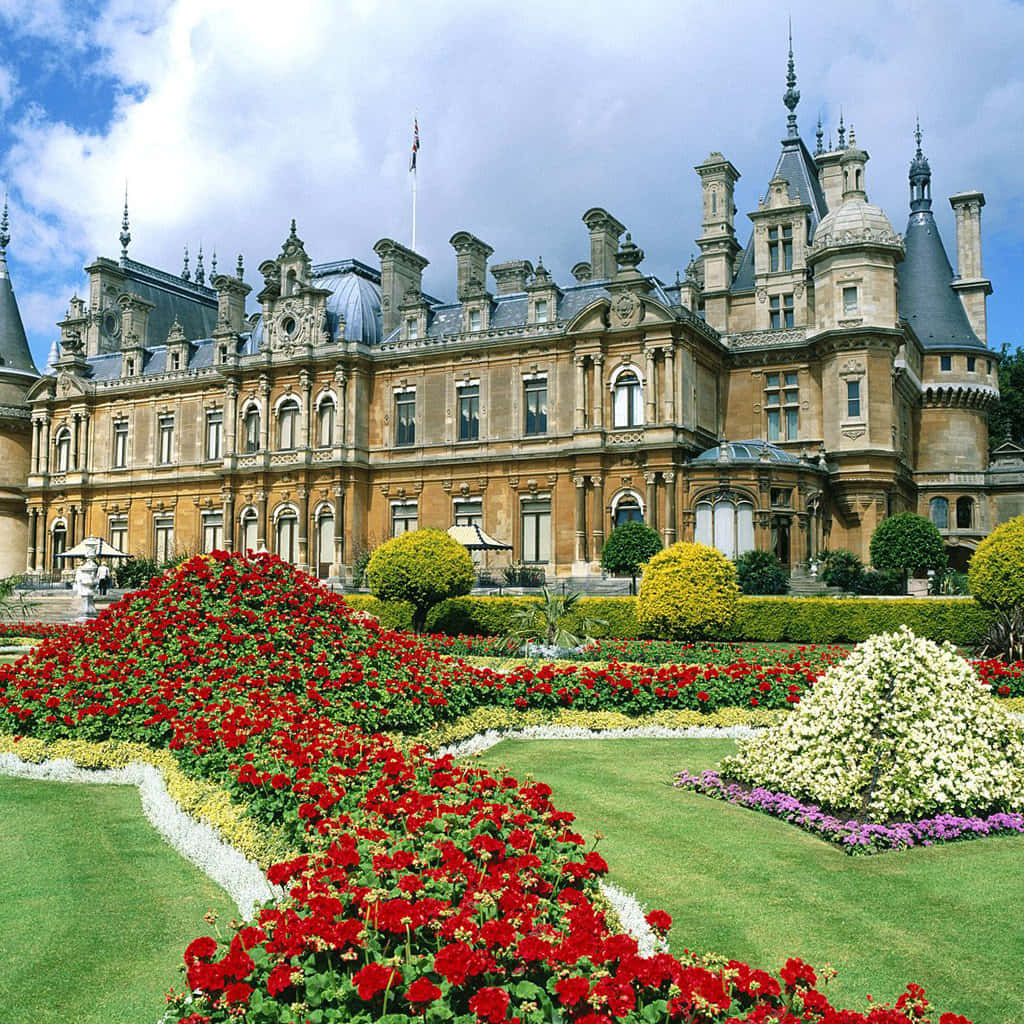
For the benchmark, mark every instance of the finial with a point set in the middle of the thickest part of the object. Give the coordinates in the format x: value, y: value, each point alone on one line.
x: 842, y: 130
x: 5, y: 234
x: 240, y: 268
x: 213, y: 265
x: 853, y: 136
x: 791, y: 97
x: 126, y: 235
x: 917, y: 139
x: 200, y: 271
x: 819, y: 135
x: 186, y: 274
x: 292, y: 234
x: 920, y: 176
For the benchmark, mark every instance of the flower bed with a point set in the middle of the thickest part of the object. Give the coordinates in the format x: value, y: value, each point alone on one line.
x: 421, y: 888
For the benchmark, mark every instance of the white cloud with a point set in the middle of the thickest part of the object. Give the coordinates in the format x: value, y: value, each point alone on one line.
x: 8, y: 87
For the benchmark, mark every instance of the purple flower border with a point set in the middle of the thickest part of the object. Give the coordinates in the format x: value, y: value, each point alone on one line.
x: 855, y: 837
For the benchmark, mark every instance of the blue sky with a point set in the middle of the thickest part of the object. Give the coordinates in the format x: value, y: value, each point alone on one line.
x: 229, y: 119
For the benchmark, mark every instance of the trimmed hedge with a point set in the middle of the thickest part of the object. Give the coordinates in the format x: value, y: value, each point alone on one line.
x: 802, y: 620
x: 392, y: 614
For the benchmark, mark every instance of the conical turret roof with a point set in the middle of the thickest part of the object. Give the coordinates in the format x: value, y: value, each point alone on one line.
x: 14, y: 350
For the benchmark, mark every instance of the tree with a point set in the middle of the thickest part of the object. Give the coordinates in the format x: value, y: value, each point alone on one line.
x: 761, y: 572
x: 628, y: 547
x: 421, y: 567
x: 907, y: 543
x: 1006, y: 421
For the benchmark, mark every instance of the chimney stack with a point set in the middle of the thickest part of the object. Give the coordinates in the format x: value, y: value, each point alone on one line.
x: 604, y: 242
x: 401, y: 272
x: 471, y: 264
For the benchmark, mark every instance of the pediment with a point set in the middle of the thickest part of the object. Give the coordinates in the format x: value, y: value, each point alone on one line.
x: 591, y: 318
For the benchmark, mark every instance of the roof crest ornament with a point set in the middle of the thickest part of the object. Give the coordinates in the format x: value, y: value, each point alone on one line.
x: 842, y: 130
x: 5, y: 239
x: 819, y: 135
x: 126, y: 235
x: 920, y: 176
x: 200, y: 269
x: 186, y: 274
x: 791, y: 97
x: 240, y: 268
x: 213, y: 265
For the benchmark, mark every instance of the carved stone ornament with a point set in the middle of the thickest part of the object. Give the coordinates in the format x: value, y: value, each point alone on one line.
x: 625, y: 308
x: 851, y: 368
x: 853, y: 432
x: 762, y: 294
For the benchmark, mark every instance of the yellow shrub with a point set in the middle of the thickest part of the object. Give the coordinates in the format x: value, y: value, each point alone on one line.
x: 688, y: 592
x: 996, y: 570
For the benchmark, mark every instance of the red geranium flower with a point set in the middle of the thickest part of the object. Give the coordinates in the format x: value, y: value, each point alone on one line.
x: 490, y: 1004
x: 422, y: 990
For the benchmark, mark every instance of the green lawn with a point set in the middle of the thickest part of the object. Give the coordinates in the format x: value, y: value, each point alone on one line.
x: 95, y: 908
x: 753, y: 887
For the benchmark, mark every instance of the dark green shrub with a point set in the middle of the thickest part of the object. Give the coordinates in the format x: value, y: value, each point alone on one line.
x: 392, y: 614
x: 878, y: 583
x: 843, y: 569
x: 617, y: 613
x: 137, y: 571
x: 1005, y: 636
x: 907, y: 544
x: 761, y: 572
x: 477, y: 616
x: 629, y: 547
x: 524, y: 576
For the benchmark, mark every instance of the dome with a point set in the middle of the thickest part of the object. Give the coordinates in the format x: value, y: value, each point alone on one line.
x: 855, y: 222
x: 747, y: 451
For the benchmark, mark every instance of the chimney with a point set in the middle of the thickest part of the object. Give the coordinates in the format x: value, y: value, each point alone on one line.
x: 471, y: 264
x: 604, y: 242
x: 231, y: 293
x: 401, y: 272
x: 134, y: 320
x: 971, y: 284
x: 512, y: 276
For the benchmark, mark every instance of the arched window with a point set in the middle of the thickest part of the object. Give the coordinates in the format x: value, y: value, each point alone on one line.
x: 629, y: 400
x: 63, y: 444
x: 726, y: 525
x: 324, y: 543
x: 251, y: 428
x: 325, y: 423
x: 287, y: 425
x: 627, y: 509
x: 286, y: 536
x: 938, y: 512
x: 249, y: 533
x: 964, y: 513
x: 59, y: 538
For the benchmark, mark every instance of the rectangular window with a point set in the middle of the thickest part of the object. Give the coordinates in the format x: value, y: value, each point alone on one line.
x: 541, y: 310
x: 945, y: 363
x: 469, y: 513
x: 536, y: 523
x: 175, y: 360
x: 988, y: 365
x: 787, y: 246
x: 404, y: 517
x: 252, y: 430
x: 791, y: 403
x: 788, y: 319
x: 772, y: 403
x: 165, y: 450
x: 405, y: 418
x: 412, y: 328
x: 853, y: 399
x: 214, y: 433
x: 849, y: 300
x: 782, y: 497
x: 773, y: 248
x: 474, y: 319
x: 213, y: 531
x: 775, y: 312
x: 163, y: 531
x: 469, y: 412
x: 971, y: 363
x: 119, y: 533
x: 536, y: 405
x: 120, y: 459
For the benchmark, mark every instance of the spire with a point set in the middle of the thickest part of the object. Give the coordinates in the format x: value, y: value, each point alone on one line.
x: 5, y: 238
x: 240, y: 268
x: 200, y: 269
x: 791, y: 97
x: 213, y: 265
x: 819, y: 135
x: 920, y: 177
x: 186, y: 274
x: 842, y: 130
x: 14, y: 350
x: 126, y: 235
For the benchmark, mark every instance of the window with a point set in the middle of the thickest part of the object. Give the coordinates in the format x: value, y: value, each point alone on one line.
x: 120, y: 458
x: 780, y: 247
x: 964, y: 513
x: 782, y: 406
x: 726, y: 525
x: 175, y: 360
x: 988, y: 365
x: 536, y: 523
x: 165, y: 440
x: 781, y: 497
x: 288, y: 425
x: 469, y: 513
x: 938, y: 512
x: 405, y: 417
x: 214, y: 433
x: 629, y: 400
x: 119, y: 533
x: 945, y: 363
x: 324, y: 543
x: 849, y: 300
x: 536, y: 405
x: 853, y: 399
x: 469, y: 412
x: 325, y: 423
x: 541, y: 311
x: 405, y: 517
x: 412, y: 328
x: 780, y: 311
x: 251, y: 428
x: 250, y: 530
x: 628, y: 510
x: 163, y: 538
x: 213, y: 531
x: 59, y: 538
x: 474, y: 319
x: 63, y: 443
x: 971, y: 363
x: 286, y: 532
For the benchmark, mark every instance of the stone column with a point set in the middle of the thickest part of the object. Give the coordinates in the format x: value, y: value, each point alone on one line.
x: 230, y: 417
x: 41, y: 553
x: 261, y: 525
x: 36, y: 431
x: 304, y: 527
x: 341, y: 421
x: 85, y: 441
x: 650, y: 396
x: 339, y: 526
x: 75, y: 424
x: 597, y: 516
x: 652, y: 499
x: 669, y: 384
x: 33, y: 531
x: 268, y: 414
x: 581, y: 517
x: 580, y: 418
x: 229, y: 521
x: 306, y: 383
x: 597, y: 399
x: 46, y: 443
x: 73, y: 526
x: 670, y: 507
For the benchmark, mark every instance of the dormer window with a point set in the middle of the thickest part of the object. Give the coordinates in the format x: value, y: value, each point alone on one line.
x: 175, y: 360
x: 129, y: 368
x: 780, y: 247
x: 541, y: 311
x: 412, y: 328
x: 945, y: 363
x: 474, y: 319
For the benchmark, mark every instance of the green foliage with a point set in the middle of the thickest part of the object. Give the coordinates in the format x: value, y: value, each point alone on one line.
x: 879, y: 583
x: 761, y: 572
x: 12, y: 603
x: 629, y: 547
x: 135, y: 572
x: 1005, y: 637
x: 524, y: 575
x: 421, y: 567
x: 547, y: 621
x: 391, y: 614
x: 907, y: 543
x: 610, y: 617
x: 476, y: 616
x: 1006, y: 421
x: 842, y: 568
x: 996, y: 570
x: 688, y: 591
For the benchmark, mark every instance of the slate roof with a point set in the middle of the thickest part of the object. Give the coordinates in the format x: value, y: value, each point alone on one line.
x: 193, y: 305
x: 108, y: 365
x: 14, y: 350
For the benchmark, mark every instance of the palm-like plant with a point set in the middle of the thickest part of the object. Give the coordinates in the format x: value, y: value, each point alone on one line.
x: 545, y: 623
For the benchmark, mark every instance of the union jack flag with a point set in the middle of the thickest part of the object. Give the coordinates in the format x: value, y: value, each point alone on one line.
x: 415, y: 144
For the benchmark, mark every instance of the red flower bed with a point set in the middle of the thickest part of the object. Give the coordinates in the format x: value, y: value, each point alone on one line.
x: 424, y: 889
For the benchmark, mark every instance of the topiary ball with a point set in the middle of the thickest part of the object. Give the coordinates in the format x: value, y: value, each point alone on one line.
x: 996, y: 570
x: 907, y: 543
x: 688, y: 592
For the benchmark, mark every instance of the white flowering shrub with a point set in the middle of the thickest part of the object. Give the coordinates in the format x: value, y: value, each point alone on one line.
x: 901, y: 729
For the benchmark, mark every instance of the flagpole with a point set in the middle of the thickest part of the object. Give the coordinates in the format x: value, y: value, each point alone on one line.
x: 414, y: 209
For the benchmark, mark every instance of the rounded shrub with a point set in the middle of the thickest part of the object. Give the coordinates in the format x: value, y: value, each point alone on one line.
x: 761, y: 572
x: 628, y: 548
x: 688, y: 592
x: 843, y: 569
x: 996, y: 570
x: 907, y: 543
x: 422, y: 567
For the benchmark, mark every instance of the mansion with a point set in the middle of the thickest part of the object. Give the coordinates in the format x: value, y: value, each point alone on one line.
x: 795, y: 387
